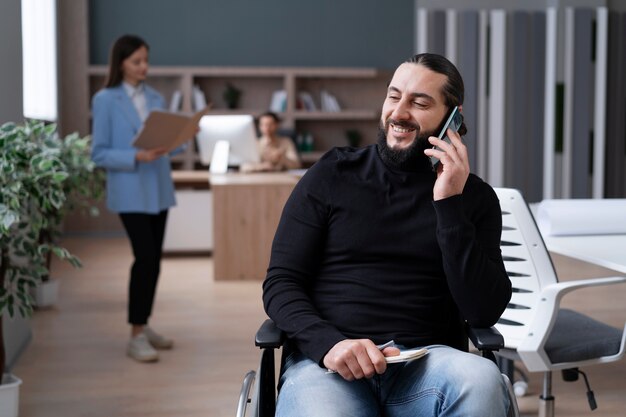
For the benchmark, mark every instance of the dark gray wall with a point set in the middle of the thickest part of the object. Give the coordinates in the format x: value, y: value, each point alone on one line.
x: 370, y: 33
x: 11, y: 103
x: 615, y: 156
x: 17, y: 333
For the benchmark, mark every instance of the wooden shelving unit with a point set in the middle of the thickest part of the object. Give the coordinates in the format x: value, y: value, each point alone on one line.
x: 359, y: 92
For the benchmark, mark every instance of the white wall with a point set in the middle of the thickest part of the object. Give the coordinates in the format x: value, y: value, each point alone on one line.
x: 11, y: 63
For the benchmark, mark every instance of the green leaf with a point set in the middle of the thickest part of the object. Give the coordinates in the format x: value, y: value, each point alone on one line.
x: 75, y: 261
x: 22, y: 297
x: 41, y: 271
x: 26, y: 311
x: 51, y: 129
x: 45, y: 165
x: 59, y: 176
x: 37, y: 159
x: 7, y: 127
x: 59, y: 252
x: 8, y: 168
x: 8, y: 218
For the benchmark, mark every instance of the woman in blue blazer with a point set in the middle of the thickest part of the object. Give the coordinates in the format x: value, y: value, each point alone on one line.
x: 139, y: 184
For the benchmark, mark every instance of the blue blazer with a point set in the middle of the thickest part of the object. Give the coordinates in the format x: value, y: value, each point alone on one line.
x: 132, y: 186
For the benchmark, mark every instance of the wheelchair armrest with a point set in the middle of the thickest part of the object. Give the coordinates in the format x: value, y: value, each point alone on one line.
x: 269, y: 336
x: 486, y: 338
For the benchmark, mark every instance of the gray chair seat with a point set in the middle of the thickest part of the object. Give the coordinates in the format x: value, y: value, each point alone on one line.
x: 576, y: 337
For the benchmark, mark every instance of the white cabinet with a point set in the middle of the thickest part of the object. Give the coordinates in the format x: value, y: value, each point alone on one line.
x: 190, y: 223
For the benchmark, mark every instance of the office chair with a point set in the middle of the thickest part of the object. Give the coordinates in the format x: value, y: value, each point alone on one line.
x: 260, y: 398
x: 537, y: 332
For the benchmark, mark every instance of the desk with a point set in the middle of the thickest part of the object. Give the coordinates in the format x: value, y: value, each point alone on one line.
x: 246, y: 211
x: 191, y: 179
x: 608, y: 251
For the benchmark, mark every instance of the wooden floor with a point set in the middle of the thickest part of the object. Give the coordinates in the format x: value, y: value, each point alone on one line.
x: 76, y: 364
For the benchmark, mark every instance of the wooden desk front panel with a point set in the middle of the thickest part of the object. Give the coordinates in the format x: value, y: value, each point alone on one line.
x: 245, y: 221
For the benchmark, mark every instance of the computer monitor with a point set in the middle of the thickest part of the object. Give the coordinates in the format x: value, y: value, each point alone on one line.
x: 237, y: 130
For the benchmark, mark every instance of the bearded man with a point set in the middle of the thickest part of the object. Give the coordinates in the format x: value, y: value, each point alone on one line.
x: 375, y: 246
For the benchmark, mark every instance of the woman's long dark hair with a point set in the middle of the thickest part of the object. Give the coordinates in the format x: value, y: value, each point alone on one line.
x: 123, y: 47
x: 453, y: 90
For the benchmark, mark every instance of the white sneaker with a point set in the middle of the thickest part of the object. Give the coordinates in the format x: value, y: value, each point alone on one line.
x: 156, y: 340
x: 140, y: 349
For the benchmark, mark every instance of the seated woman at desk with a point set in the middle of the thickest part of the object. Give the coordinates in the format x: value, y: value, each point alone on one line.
x: 277, y: 153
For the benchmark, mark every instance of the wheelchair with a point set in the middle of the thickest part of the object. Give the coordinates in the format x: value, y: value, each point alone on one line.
x: 259, y: 399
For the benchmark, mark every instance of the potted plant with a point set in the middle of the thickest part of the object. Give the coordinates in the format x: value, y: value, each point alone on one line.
x: 83, y: 186
x: 32, y: 179
x: 231, y: 96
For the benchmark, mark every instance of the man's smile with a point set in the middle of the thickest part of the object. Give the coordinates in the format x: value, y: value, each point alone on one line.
x: 400, y: 129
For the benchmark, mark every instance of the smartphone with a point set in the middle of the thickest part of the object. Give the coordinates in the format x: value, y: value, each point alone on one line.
x: 454, y: 121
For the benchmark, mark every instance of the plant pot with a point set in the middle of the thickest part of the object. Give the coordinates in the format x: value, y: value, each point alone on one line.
x: 46, y: 294
x: 9, y: 395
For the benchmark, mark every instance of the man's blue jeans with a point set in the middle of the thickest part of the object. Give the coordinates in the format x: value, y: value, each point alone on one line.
x: 445, y: 382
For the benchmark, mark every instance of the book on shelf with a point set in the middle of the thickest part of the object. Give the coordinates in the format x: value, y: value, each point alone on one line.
x: 199, y: 99
x: 279, y: 101
x: 176, y: 100
x: 329, y: 102
x: 307, y: 101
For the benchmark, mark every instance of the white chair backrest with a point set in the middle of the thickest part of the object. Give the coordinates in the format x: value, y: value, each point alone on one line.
x: 527, y: 263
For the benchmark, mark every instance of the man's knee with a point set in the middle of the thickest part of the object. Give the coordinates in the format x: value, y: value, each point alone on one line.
x: 481, y: 385
x: 471, y: 382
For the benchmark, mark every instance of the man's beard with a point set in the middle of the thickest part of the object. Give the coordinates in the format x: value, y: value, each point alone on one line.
x: 408, y: 158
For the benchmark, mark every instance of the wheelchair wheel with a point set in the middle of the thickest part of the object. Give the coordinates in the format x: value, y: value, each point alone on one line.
x: 244, y: 396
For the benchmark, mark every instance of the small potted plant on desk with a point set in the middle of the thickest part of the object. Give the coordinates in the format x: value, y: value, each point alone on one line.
x: 32, y: 178
x: 231, y: 96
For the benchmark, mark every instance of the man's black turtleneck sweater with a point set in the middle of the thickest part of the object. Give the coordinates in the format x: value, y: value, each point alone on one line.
x: 363, y: 251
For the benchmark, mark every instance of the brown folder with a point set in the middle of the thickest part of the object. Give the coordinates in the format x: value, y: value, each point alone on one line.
x: 163, y: 129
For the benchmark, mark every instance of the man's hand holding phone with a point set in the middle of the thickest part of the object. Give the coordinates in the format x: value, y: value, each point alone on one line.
x: 449, y: 158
